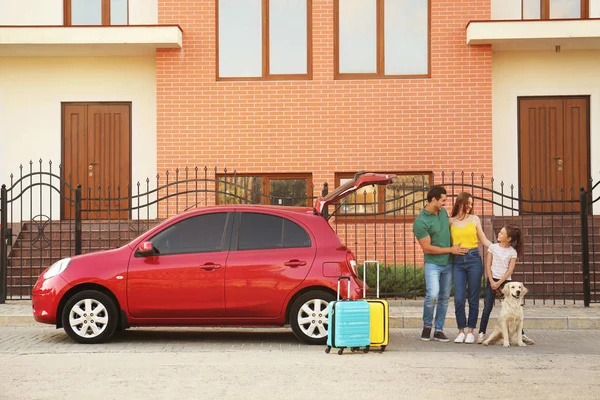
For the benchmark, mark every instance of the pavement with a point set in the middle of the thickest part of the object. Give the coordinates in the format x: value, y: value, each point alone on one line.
x: 407, y: 314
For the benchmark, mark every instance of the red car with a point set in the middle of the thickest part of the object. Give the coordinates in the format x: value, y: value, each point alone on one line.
x: 234, y: 265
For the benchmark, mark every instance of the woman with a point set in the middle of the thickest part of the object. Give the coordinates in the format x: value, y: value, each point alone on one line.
x: 465, y: 230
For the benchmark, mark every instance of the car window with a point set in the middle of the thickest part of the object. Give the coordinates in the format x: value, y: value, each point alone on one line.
x: 294, y: 235
x: 262, y: 231
x: 202, y: 233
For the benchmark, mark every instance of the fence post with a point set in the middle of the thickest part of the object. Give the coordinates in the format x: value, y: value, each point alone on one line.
x: 78, y: 220
x: 324, y: 193
x: 3, y: 244
x: 585, y: 250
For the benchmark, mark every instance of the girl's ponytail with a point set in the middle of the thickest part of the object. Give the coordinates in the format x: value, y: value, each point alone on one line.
x: 514, y: 233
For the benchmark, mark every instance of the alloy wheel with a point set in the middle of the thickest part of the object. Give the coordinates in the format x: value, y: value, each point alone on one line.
x: 88, y: 318
x: 313, y: 318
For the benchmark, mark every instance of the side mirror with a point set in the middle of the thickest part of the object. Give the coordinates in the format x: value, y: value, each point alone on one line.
x: 145, y: 249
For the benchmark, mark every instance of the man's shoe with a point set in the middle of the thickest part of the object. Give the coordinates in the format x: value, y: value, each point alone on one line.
x: 440, y: 336
x: 426, y: 334
x: 527, y: 339
x: 470, y: 338
x: 480, y: 337
x: 460, y: 338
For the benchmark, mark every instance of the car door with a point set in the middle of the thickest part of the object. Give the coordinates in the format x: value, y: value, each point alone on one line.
x: 270, y: 256
x: 185, y: 275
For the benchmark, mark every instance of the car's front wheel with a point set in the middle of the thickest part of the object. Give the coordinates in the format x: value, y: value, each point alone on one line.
x: 90, y: 317
x: 309, y: 318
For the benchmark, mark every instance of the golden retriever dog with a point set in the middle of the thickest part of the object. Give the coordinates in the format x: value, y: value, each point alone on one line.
x: 510, y: 322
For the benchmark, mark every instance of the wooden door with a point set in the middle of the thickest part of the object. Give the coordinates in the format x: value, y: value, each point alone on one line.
x: 96, y: 153
x: 554, y: 151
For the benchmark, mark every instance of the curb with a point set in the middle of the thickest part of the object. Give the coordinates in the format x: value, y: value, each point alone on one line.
x: 547, y: 323
x: 410, y: 322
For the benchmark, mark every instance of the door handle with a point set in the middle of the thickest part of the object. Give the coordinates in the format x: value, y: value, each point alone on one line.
x: 559, y: 161
x: 294, y: 263
x: 210, y: 266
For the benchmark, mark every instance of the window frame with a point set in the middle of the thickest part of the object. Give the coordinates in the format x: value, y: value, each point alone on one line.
x: 283, y: 219
x: 266, y: 187
x: 105, y: 14
x: 380, y: 214
x: 380, y: 74
x: 266, y: 75
x: 545, y: 11
x: 223, y: 246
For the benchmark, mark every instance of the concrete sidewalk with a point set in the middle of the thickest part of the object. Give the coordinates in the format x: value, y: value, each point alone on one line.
x: 408, y: 314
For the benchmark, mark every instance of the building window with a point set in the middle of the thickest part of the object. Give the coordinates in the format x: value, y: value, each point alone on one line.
x: 96, y: 12
x: 555, y: 9
x: 273, y: 189
x: 264, y: 39
x: 405, y: 196
x: 382, y: 38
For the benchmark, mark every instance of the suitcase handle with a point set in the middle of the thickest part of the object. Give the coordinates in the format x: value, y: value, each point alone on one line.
x: 341, y: 278
x: 365, y: 276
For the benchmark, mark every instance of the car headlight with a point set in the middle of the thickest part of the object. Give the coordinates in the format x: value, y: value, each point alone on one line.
x: 57, y: 268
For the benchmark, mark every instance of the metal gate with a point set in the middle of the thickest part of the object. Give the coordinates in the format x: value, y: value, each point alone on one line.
x: 560, y: 262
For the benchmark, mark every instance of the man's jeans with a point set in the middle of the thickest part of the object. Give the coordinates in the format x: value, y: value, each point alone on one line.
x: 468, y: 270
x: 438, y: 282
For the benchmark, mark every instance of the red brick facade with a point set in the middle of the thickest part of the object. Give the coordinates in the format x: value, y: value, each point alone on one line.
x: 323, y: 126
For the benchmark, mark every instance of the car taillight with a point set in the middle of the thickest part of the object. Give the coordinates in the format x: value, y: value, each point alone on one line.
x: 351, y: 263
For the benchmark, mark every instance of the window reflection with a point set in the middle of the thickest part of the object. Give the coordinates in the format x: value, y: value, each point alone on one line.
x: 86, y: 12
x: 240, y: 38
x: 288, y: 36
x: 532, y: 9
x: 118, y: 12
x: 288, y: 192
x: 358, y: 36
x: 565, y: 9
x: 406, y: 37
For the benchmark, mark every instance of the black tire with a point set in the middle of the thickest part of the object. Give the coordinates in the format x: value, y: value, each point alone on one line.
x: 321, y: 321
x: 341, y: 351
x: 97, y: 328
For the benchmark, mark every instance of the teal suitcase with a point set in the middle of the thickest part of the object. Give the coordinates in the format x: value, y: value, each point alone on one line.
x: 349, y: 323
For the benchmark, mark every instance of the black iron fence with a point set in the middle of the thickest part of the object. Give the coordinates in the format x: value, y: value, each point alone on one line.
x: 46, y: 216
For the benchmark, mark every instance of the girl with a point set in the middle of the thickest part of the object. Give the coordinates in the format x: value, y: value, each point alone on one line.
x: 499, y: 267
x: 465, y: 230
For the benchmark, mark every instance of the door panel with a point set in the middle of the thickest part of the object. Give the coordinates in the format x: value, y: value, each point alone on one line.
x: 73, y: 160
x: 97, y: 155
x: 553, y: 151
x: 176, y: 286
x: 186, y: 276
x: 259, y: 280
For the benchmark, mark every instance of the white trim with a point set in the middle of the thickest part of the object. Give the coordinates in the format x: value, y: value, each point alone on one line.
x: 535, y: 35
x: 112, y: 40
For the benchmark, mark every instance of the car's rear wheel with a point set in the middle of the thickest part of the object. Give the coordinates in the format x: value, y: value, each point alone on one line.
x: 90, y: 317
x: 309, y: 318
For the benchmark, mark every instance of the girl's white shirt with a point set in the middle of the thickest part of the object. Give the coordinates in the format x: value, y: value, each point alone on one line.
x: 501, y: 257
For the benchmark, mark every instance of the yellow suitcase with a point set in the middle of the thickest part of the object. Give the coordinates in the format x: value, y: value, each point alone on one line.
x: 380, y: 314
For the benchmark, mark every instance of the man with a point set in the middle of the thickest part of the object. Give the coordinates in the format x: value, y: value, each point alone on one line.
x: 432, y: 230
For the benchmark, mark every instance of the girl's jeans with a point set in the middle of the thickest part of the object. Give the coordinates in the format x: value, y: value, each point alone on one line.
x: 467, y: 272
x: 488, y: 306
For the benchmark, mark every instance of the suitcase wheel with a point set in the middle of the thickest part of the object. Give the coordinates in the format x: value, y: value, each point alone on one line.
x: 366, y: 349
x: 340, y: 351
x: 328, y: 349
x: 383, y: 348
x: 353, y: 349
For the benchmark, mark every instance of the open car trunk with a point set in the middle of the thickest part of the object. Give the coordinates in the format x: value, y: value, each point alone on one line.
x: 361, y: 179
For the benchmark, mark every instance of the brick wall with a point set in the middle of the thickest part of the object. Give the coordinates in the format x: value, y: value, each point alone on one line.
x: 325, y: 125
